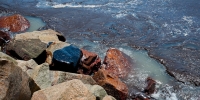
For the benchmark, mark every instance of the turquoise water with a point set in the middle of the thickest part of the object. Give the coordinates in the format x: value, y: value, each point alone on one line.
x: 35, y: 23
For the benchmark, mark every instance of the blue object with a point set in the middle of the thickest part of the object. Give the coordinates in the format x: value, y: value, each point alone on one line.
x: 69, y: 55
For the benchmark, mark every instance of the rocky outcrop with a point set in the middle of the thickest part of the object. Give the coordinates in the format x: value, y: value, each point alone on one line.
x: 111, y: 84
x: 15, y: 84
x: 32, y: 45
x: 71, y: 90
x: 90, y: 62
x: 15, y: 23
x: 117, y: 63
x: 44, y: 78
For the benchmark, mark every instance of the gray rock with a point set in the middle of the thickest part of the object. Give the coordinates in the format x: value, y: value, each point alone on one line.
x: 27, y: 66
x: 97, y: 91
x: 41, y: 75
x: 30, y: 45
x: 15, y: 84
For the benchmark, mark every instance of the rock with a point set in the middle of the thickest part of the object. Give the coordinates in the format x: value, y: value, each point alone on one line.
x: 15, y: 23
x: 139, y: 96
x: 59, y: 77
x: 27, y: 48
x: 117, y: 63
x: 151, y: 86
x: 70, y: 90
x: 53, y: 47
x: 15, y: 84
x: 32, y: 45
x: 44, y: 78
x: 90, y: 62
x: 111, y: 84
x: 97, y: 91
x: 66, y: 59
x: 108, y: 97
x: 41, y: 75
x: 45, y: 36
x: 4, y: 38
x: 27, y: 66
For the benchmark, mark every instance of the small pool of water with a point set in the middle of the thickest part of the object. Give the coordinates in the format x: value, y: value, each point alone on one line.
x: 35, y: 23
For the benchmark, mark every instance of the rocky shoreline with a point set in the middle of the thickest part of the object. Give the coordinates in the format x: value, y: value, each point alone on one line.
x: 40, y: 65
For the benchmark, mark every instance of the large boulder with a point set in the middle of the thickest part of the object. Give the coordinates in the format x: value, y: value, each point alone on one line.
x: 32, y: 45
x: 15, y: 84
x: 52, y: 47
x: 15, y: 23
x: 70, y: 90
x: 111, y: 84
x: 63, y: 57
x: 90, y: 62
x: 117, y: 63
x: 45, y: 36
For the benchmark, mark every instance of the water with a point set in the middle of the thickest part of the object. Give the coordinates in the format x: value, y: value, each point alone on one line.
x: 35, y: 23
x: 166, y: 30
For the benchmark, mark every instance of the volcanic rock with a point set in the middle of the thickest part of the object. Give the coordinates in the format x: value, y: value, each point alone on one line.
x: 117, y: 63
x: 15, y: 23
x: 111, y: 84
x: 15, y: 84
x: 70, y: 90
x: 90, y: 62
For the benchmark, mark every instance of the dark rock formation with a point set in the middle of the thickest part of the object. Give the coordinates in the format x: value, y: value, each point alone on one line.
x: 66, y: 59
